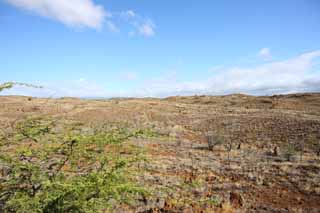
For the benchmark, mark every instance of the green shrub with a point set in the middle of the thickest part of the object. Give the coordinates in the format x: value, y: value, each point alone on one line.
x: 69, y: 171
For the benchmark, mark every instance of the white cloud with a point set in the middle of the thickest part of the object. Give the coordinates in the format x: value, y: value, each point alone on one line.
x: 147, y: 28
x: 75, y: 13
x: 112, y: 27
x: 265, y: 54
x: 142, y: 26
x: 131, y: 13
x: 128, y: 14
x: 86, y: 13
x: 293, y: 75
x: 274, y: 77
x: 298, y: 74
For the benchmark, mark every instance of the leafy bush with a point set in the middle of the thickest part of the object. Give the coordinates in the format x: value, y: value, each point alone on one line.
x: 68, y: 171
x: 33, y: 128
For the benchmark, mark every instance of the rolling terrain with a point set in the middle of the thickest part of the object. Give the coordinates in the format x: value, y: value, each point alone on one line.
x: 179, y: 154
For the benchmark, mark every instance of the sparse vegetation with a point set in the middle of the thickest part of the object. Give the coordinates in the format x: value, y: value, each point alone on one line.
x: 104, y: 156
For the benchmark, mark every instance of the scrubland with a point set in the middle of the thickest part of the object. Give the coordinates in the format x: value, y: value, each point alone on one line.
x: 234, y: 153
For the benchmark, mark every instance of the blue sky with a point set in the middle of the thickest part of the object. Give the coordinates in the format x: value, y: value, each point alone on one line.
x: 96, y: 48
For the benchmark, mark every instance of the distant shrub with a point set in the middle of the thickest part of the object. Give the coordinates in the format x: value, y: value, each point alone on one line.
x: 213, y: 141
x: 289, y: 151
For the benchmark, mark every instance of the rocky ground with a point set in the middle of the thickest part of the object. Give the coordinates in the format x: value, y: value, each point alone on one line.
x: 266, y: 159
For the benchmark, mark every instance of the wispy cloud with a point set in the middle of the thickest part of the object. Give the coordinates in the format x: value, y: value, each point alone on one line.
x: 292, y: 75
x: 147, y: 28
x: 75, y: 13
x: 297, y: 74
x: 274, y: 77
x: 142, y: 26
x: 112, y: 27
x: 265, y: 54
x: 128, y: 14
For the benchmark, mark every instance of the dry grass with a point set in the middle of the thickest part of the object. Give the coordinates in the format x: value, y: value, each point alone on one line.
x: 182, y: 173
